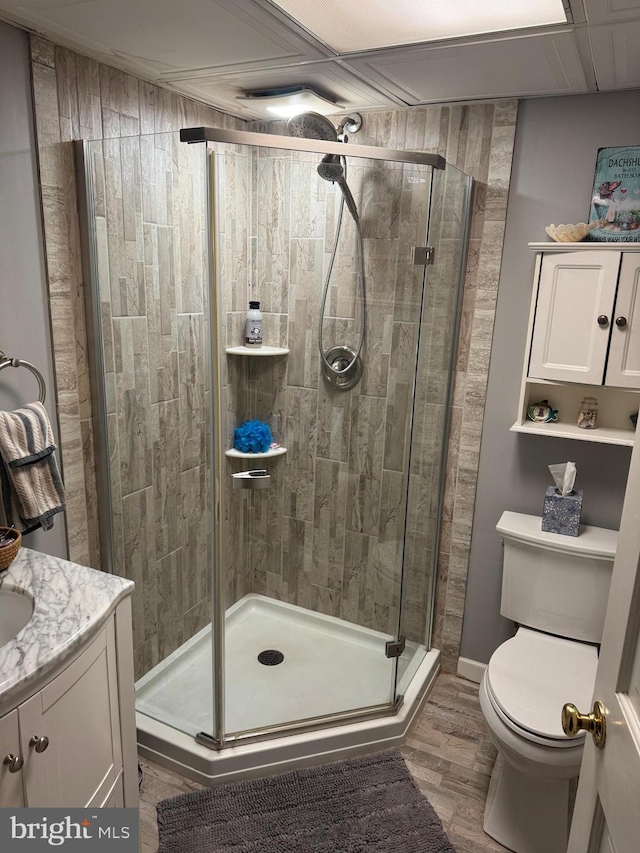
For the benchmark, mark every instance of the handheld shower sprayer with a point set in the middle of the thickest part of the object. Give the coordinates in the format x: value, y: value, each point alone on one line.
x: 341, y: 365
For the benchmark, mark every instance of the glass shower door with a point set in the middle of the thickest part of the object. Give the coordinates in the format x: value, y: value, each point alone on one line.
x: 431, y: 406
x: 143, y: 202
x: 312, y: 564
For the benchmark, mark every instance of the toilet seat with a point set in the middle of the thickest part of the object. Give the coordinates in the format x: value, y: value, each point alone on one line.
x: 532, y: 675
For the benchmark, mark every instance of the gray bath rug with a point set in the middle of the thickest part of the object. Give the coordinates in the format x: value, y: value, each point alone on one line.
x: 364, y: 805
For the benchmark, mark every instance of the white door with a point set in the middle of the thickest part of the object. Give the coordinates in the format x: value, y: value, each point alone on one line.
x: 573, y: 316
x: 607, y: 812
x: 623, y: 368
x: 11, y: 795
x: 78, y: 763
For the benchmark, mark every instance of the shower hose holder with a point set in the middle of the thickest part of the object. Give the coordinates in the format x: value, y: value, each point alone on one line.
x: 345, y: 368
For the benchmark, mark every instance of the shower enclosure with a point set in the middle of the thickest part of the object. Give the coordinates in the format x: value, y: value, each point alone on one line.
x: 276, y: 624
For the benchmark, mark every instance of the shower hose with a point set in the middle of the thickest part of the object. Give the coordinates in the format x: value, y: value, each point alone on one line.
x: 361, y: 286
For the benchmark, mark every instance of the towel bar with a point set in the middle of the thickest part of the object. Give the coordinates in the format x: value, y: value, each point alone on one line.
x: 5, y: 361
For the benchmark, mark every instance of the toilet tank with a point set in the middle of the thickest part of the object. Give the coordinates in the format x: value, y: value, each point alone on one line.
x: 558, y: 584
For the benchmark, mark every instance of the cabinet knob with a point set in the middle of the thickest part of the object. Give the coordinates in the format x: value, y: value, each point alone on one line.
x: 14, y: 762
x: 40, y: 743
x: 621, y: 322
x: 603, y: 320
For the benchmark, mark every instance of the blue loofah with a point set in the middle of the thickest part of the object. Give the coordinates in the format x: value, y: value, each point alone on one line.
x: 252, y: 437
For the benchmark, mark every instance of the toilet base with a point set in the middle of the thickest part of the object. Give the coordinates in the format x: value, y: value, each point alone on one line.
x: 525, y: 814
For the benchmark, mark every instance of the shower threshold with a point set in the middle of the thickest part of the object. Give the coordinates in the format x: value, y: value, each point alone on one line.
x: 322, y: 665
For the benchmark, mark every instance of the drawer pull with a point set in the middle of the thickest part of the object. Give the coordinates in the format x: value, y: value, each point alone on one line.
x: 603, y: 320
x: 621, y: 322
x: 40, y: 743
x: 14, y: 763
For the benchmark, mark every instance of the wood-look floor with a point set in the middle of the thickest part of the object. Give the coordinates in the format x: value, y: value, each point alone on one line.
x: 448, y: 751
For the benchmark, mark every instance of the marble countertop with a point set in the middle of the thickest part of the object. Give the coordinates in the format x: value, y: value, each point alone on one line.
x: 71, y: 603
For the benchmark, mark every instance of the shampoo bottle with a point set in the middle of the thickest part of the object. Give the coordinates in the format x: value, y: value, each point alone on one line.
x: 253, y: 332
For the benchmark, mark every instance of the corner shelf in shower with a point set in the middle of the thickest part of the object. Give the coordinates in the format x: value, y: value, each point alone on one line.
x: 260, y: 351
x: 237, y: 454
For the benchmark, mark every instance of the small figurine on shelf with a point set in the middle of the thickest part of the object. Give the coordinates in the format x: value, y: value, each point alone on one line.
x: 588, y: 414
x: 542, y: 412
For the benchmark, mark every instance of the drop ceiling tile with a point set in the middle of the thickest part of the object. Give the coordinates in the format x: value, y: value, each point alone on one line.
x: 327, y: 78
x: 359, y: 25
x: 610, y: 11
x: 616, y: 55
x: 159, y: 37
x: 544, y: 64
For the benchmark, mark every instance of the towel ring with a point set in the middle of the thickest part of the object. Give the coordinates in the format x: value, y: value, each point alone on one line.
x: 5, y: 361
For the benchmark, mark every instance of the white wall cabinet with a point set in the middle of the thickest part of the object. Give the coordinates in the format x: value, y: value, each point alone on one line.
x: 576, y: 295
x: 69, y: 737
x: 584, y: 339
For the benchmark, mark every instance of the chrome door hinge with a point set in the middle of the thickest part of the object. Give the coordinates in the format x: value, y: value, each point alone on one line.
x: 394, y: 648
x: 422, y: 256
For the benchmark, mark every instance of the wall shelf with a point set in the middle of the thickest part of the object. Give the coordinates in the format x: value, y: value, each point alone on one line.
x: 552, y: 246
x: 259, y: 351
x: 615, y: 405
x: 237, y: 454
x: 603, y: 435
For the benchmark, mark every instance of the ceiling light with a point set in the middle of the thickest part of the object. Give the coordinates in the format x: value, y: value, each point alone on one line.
x: 289, y: 102
x: 368, y: 24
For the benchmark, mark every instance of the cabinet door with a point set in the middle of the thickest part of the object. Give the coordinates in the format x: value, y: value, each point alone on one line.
x: 78, y: 713
x: 576, y: 288
x: 11, y: 794
x: 623, y: 367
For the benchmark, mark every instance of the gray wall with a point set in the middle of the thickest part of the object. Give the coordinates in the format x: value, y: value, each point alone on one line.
x: 555, y: 151
x: 24, y: 310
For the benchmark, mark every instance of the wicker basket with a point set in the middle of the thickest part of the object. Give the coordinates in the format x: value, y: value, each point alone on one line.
x: 9, y: 548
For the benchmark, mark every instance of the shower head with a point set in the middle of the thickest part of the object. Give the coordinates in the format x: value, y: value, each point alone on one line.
x: 316, y: 126
x: 312, y: 126
x: 330, y: 168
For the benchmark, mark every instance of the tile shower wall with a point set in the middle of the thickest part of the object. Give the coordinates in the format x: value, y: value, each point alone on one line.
x: 478, y: 139
x: 149, y: 227
x: 328, y: 533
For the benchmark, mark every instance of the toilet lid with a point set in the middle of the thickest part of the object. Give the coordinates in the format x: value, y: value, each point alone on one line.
x: 532, y: 675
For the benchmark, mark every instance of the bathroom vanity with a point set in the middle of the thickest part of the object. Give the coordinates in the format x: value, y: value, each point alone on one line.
x: 67, y: 720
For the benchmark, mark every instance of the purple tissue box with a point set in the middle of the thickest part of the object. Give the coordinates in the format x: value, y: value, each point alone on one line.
x: 561, y: 514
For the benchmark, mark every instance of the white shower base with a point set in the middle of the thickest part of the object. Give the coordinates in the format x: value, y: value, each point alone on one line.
x: 329, y: 666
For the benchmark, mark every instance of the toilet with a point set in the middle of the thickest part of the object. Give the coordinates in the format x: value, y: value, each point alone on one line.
x: 555, y: 588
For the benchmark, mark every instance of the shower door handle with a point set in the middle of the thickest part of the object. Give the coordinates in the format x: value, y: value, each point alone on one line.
x: 254, y: 479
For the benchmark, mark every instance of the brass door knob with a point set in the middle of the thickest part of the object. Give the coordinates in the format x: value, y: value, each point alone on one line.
x: 594, y: 723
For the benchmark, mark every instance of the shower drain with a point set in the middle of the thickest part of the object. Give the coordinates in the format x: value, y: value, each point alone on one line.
x: 270, y: 657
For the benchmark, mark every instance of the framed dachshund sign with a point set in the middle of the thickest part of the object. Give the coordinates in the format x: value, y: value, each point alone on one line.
x: 615, y: 202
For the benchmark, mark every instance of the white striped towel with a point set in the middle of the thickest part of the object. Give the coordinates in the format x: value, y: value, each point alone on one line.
x: 31, y: 490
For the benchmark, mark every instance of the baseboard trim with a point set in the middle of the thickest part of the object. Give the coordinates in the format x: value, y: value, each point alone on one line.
x: 472, y: 670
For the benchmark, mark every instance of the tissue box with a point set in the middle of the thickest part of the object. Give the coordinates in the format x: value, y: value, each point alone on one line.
x: 561, y: 514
